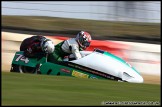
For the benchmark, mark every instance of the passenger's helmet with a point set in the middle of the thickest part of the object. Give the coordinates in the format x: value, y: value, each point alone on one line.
x: 47, y: 46
x: 84, y: 39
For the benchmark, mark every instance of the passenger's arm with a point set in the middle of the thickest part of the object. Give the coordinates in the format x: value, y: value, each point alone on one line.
x: 76, y: 52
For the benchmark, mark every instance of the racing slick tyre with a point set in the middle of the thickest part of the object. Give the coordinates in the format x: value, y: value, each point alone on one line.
x: 23, y: 69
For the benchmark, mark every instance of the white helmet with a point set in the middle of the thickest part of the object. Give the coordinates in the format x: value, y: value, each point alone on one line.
x: 47, y: 46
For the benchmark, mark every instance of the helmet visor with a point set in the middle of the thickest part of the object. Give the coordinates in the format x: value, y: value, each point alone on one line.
x: 86, y: 43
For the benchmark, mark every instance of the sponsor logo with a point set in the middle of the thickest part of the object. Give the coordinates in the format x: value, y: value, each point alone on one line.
x: 79, y: 74
x: 65, y: 70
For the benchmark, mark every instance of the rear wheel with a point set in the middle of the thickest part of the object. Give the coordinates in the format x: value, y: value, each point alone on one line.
x: 23, y: 69
x: 26, y: 69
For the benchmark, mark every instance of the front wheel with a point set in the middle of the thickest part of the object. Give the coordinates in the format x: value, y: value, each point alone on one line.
x: 23, y: 69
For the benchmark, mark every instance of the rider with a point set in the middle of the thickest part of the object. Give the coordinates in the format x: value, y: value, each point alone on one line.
x: 71, y: 46
x: 37, y: 46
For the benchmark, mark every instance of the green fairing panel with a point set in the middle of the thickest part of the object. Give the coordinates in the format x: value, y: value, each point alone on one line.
x: 55, y: 69
x: 19, y: 59
x: 52, y: 68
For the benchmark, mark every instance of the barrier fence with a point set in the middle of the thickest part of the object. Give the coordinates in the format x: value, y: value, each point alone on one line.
x: 133, y: 11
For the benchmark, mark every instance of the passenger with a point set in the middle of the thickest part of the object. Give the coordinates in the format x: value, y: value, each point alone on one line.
x: 37, y: 47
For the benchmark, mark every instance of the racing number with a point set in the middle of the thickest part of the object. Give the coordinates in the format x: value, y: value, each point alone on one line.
x: 22, y: 58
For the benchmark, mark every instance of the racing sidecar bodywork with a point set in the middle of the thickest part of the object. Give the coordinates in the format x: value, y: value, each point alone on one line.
x: 97, y: 64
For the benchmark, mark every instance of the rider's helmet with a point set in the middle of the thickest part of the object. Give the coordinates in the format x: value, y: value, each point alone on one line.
x: 47, y: 46
x: 84, y: 39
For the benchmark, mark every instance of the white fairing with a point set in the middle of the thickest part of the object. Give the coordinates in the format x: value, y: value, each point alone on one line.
x: 110, y: 65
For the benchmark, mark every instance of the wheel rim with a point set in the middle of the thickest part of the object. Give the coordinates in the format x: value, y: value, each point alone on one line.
x: 25, y: 69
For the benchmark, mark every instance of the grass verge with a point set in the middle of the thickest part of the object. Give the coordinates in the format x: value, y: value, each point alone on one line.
x: 72, y: 26
x: 31, y: 89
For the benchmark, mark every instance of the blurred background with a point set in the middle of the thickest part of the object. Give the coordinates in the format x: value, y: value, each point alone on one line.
x: 131, y: 11
x: 128, y: 29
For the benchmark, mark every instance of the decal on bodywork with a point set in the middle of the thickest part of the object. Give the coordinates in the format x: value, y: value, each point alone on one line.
x: 95, y: 72
x: 79, y: 74
x: 22, y: 58
x: 65, y: 70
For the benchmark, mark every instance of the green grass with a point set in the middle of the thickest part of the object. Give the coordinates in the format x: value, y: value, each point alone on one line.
x: 96, y: 28
x: 31, y: 89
